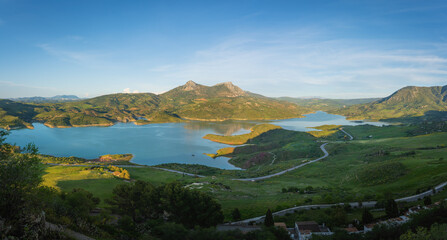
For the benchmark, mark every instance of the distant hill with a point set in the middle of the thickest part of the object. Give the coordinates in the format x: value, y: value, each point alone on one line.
x: 15, y: 114
x: 327, y: 104
x: 404, y: 103
x: 58, y: 98
x: 190, y: 101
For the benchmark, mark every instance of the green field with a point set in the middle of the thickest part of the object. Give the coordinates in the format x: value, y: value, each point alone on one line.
x: 364, y: 169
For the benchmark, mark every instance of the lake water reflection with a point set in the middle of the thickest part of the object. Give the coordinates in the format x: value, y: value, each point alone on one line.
x: 154, y: 143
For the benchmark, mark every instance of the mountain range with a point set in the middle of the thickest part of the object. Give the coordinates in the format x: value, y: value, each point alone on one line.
x: 58, y: 98
x: 220, y: 102
x: 191, y: 101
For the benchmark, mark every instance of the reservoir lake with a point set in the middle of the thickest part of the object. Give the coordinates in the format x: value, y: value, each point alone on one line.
x: 155, y: 144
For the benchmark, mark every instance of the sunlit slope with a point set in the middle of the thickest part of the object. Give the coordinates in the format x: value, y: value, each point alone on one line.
x: 190, y: 101
x: 406, y: 102
x: 226, y: 101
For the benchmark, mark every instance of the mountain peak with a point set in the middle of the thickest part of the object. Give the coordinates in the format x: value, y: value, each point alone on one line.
x: 227, y: 84
x: 190, y: 85
x: 235, y: 90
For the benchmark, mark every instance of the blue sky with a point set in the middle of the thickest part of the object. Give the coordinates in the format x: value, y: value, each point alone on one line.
x: 334, y: 49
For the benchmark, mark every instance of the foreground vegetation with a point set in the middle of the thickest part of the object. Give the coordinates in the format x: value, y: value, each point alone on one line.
x: 136, y: 210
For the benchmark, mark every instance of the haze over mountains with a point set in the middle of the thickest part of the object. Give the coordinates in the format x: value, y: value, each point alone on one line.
x: 58, y: 98
x: 220, y: 102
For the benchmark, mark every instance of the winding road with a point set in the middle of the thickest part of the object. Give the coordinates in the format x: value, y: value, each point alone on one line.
x: 175, y: 171
x: 287, y: 170
x: 369, y: 204
x: 350, y: 136
x: 412, y: 198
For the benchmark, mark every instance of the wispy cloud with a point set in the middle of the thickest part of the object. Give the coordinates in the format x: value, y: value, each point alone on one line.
x: 86, y: 58
x: 305, y: 60
x: 12, y: 84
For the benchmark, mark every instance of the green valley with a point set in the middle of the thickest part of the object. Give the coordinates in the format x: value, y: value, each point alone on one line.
x: 358, y: 170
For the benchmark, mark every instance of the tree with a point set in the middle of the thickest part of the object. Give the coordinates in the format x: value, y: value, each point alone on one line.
x: 268, y: 222
x: 170, y: 231
x: 142, y: 201
x: 367, y: 217
x: 190, y: 207
x: 280, y: 233
x: 421, y: 234
x: 438, y: 232
x: 20, y: 176
x: 80, y: 202
x: 139, y: 200
x: 427, y: 200
x: 125, y: 174
x: 236, y: 214
x: 391, y: 208
x: 338, y: 216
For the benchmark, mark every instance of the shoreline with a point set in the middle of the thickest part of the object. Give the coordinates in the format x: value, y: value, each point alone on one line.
x: 138, y: 124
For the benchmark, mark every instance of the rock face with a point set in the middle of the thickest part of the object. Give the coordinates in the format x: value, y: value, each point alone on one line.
x: 194, y: 90
x: 234, y: 91
x: 190, y: 86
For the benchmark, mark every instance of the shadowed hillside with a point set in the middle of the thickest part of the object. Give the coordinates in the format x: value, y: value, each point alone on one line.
x: 15, y: 115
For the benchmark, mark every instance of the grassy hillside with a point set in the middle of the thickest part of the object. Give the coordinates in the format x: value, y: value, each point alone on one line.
x: 15, y: 115
x: 225, y: 101
x: 325, y: 130
x: 404, y: 103
x: 190, y: 101
x: 243, y: 138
